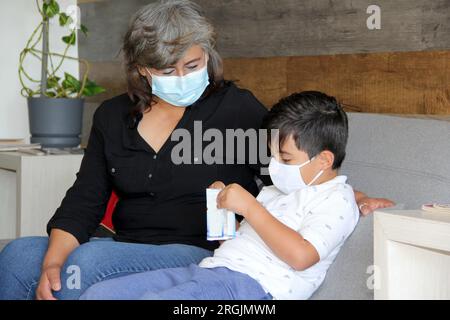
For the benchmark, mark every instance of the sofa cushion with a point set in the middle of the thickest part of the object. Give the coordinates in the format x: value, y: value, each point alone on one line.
x: 347, y: 277
x: 404, y: 159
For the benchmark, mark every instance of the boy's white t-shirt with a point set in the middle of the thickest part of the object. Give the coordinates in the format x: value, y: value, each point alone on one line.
x: 325, y: 215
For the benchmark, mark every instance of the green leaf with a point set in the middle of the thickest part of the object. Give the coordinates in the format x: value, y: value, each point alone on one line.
x: 50, y: 8
x: 84, y: 29
x: 70, y: 39
x: 50, y: 94
x: 70, y: 83
x: 91, y: 89
x: 64, y: 19
x: 52, y: 82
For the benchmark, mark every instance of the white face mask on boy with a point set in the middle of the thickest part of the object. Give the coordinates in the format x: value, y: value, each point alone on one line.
x: 288, y: 178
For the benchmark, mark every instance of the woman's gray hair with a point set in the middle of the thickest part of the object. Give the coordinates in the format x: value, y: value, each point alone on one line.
x: 158, y: 36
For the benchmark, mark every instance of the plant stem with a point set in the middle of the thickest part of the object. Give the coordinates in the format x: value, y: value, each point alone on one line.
x: 44, y: 64
x: 39, y: 8
x: 22, y: 70
x: 43, y: 29
x: 61, y: 61
x: 22, y: 58
x: 83, y: 61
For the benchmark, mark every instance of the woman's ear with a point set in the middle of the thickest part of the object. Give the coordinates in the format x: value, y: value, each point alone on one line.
x: 326, y: 159
x: 143, y: 72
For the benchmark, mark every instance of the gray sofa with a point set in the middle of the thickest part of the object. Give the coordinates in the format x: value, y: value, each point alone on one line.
x: 402, y: 158
x: 405, y: 159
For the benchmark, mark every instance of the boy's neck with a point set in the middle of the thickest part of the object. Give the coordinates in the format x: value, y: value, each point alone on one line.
x: 326, y: 176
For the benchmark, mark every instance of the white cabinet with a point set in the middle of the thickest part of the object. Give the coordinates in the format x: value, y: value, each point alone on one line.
x: 412, y: 255
x: 31, y: 189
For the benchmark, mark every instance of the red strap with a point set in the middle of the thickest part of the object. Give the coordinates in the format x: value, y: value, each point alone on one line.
x: 107, y: 219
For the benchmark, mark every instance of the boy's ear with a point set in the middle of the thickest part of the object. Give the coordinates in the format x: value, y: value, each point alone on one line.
x: 327, y: 159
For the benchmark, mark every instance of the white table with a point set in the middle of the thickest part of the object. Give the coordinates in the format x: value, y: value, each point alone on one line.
x: 412, y: 255
x: 31, y: 189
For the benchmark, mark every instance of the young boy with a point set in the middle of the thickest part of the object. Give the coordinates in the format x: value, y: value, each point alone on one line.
x: 291, y: 233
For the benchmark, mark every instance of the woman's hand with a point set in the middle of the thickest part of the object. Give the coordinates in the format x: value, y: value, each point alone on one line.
x: 217, y: 185
x: 61, y: 244
x: 50, y: 281
x: 235, y: 198
x: 368, y: 205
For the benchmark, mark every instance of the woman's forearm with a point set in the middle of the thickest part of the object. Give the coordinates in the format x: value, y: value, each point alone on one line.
x: 61, y: 244
x: 359, y: 196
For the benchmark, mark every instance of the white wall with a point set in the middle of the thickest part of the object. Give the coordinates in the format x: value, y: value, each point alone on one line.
x: 18, y: 19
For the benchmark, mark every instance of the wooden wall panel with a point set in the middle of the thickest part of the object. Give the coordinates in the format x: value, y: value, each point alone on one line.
x: 277, y: 47
x: 110, y: 75
x: 261, y: 28
x: 402, y: 83
x: 268, y: 28
x: 405, y: 83
x: 410, y: 82
x: 265, y: 77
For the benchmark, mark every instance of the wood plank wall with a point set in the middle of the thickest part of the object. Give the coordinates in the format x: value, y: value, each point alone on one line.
x: 277, y: 47
x: 410, y: 82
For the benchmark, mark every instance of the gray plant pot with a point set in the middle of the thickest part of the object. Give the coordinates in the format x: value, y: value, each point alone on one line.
x: 55, y: 123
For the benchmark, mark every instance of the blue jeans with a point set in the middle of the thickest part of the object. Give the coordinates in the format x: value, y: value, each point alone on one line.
x: 188, y: 283
x: 95, y: 261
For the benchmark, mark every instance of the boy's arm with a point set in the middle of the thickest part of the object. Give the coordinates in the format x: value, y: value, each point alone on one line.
x: 286, y: 243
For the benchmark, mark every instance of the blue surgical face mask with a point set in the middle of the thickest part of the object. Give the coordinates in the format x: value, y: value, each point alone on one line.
x: 181, y: 91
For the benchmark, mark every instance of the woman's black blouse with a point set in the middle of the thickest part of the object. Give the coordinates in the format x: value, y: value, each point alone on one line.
x: 160, y: 202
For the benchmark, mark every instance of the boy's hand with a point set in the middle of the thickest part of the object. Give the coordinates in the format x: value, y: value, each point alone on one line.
x: 368, y: 205
x: 236, y: 199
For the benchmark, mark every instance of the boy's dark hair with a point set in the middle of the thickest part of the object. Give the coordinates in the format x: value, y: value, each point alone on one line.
x: 315, y: 120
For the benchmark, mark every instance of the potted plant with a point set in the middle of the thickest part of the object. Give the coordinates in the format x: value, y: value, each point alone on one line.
x: 55, y: 104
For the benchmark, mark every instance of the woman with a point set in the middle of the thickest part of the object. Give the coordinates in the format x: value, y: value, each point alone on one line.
x: 175, y: 80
